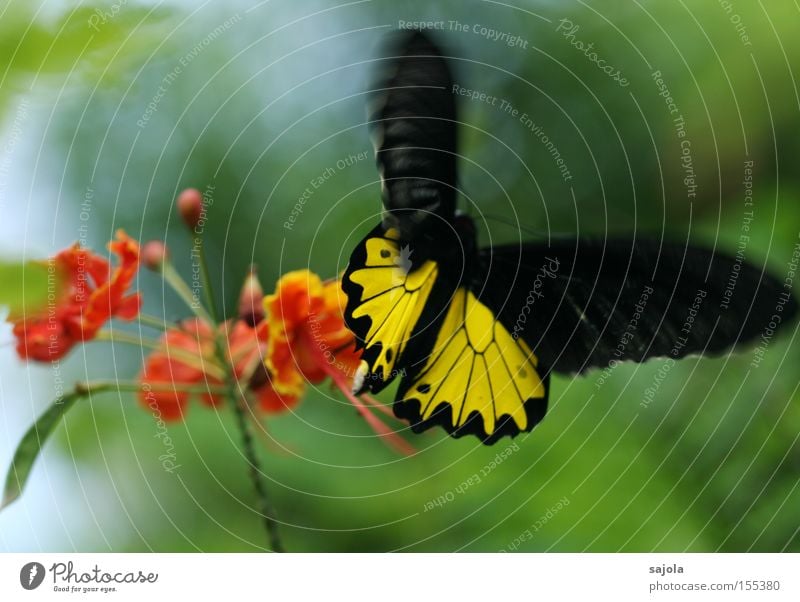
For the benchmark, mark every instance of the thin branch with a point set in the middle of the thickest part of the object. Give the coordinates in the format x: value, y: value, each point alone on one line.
x: 266, y: 508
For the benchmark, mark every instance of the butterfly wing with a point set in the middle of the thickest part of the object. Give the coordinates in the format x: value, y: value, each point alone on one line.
x: 477, y: 378
x: 574, y: 305
x: 585, y: 303
x: 413, y: 117
x: 393, y: 306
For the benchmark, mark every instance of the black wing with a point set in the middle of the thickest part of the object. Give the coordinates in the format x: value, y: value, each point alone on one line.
x: 584, y: 303
x: 413, y: 115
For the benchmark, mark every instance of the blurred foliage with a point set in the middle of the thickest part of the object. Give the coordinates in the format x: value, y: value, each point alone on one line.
x: 26, y: 286
x: 156, y: 101
x: 36, y: 44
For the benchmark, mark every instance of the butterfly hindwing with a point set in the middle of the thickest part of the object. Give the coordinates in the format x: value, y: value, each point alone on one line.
x: 477, y: 378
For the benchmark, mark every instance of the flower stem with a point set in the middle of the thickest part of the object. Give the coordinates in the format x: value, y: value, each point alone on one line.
x: 153, y: 322
x: 100, y: 386
x: 266, y: 509
x: 208, y: 293
x: 193, y: 360
x: 236, y: 397
x: 117, y: 336
x: 179, y: 285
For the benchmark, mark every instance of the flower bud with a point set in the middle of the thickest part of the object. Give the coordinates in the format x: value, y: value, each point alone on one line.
x: 190, y: 206
x: 154, y: 254
x: 251, y: 300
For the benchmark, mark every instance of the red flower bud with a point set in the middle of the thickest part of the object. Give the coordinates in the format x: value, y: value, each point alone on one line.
x: 154, y: 254
x: 190, y: 206
x: 251, y: 300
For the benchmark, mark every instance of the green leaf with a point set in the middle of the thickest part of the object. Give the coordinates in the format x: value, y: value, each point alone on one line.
x: 31, y: 444
x: 25, y: 286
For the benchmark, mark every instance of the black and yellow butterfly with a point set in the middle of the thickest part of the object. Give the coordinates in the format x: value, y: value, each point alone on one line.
x: 474, y: 333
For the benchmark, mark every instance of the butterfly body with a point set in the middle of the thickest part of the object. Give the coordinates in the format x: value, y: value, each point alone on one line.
x: 424, y: 322
x: 474, y: 333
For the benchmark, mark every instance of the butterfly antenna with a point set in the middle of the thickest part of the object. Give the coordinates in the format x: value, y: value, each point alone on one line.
x: 489, y: 217
x: 533, y: 232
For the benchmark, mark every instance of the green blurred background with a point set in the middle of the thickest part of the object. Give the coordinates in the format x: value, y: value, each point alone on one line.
x: 257, y: 99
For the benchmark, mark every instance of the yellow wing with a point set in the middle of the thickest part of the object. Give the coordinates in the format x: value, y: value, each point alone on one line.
x: 385, y: 301
x: 478, y: 379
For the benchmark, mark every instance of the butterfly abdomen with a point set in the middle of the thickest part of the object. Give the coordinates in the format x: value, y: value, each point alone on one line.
x: 413, y: 118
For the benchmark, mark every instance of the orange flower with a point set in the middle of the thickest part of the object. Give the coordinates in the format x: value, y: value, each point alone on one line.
x: 247, y: 346
x: 90, y: 293
x: 308, y: 338
x: 186, y: 357
x: 302, y: 339
x: 308, y: 341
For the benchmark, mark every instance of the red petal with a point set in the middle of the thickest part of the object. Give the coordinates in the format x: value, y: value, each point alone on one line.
x: 130, y: 306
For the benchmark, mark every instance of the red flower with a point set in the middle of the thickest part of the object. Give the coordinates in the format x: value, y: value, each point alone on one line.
x: 187, y: 357
x: 89, y: 294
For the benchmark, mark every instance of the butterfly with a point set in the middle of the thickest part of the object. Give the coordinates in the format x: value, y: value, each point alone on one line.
x: 474, y: 333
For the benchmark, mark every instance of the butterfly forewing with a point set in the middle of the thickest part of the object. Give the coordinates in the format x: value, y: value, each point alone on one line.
x: 392, y: 306
x: 582, y: 304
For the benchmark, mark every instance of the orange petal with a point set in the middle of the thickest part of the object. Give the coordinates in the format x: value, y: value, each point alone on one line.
x: 283, y: 369
x: 296, y: 296
x: 273, y: 402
